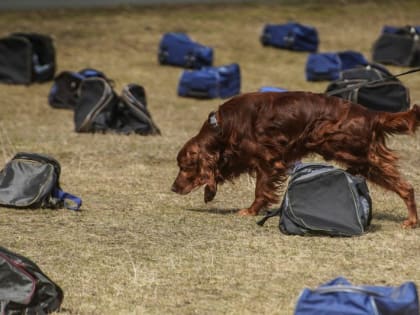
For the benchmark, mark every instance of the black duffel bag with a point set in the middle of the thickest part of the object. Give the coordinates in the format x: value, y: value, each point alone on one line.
x: 26, y: 58
x: 100, y: 109
x: 24, y: 288
x: 398, y: 46
x: 373, y: 87
x: 323, y: 200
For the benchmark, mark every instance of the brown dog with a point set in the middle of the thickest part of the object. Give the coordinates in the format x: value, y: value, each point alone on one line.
x: 264, y: 134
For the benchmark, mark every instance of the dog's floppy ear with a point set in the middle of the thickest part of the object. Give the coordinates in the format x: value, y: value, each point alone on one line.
x: 208, y: 169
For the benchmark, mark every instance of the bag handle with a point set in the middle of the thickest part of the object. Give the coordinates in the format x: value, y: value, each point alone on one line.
x: 71, y: 202
x: 346, y: 288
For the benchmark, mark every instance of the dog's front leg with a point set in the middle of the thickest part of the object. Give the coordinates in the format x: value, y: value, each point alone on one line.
x: 264, y: 195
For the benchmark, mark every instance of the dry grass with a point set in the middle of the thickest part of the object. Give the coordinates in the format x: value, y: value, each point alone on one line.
x: 137, y: 248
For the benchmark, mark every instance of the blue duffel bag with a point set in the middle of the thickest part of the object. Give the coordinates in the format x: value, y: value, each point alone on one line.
x: 339, y: 296
x: 211, y: 82
x: 327, y: 66
x: 178, y: 49
x: 293, y: 36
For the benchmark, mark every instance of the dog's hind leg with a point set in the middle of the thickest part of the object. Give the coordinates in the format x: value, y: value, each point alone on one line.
x: 380, y: 168
x: 382, y: 171
x: 389, y: 178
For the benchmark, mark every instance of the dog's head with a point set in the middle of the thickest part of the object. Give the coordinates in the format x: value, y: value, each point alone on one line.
x: 197, y: 167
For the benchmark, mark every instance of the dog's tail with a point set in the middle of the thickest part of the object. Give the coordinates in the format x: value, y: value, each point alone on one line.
x: 400, y: 123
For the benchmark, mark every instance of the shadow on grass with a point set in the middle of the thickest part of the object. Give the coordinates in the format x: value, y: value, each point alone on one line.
x: 388, y: 217
x: 224, y: 211
x: 215, y: 210
x: 373, y: 228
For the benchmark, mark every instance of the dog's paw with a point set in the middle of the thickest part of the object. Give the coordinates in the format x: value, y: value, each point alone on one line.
x: 409, y: 224
x: 209, y: 193
x: 246, y: 212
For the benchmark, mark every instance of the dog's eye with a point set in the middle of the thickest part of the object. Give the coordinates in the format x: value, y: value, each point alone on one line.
x: 192, y: 155
x: 187, y: 168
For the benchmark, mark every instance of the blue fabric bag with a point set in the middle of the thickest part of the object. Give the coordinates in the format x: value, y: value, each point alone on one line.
x: 327, y: 66
x: 293, y: 36
x: 211, y: 82
x: 339, y: 296
x: 178, y: 49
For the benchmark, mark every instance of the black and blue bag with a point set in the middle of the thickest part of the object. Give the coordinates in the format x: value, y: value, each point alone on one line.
x: 292, y: 36
x: 31, y: 181
x: 64, y: 91
x: 211, y: 82
x: 25, y: 288
x: 339, y: 296
x: 178, y: 49
x: 398, y: 46
x: 327, y: 66
x: 26, y: 58
x: 321, y: 199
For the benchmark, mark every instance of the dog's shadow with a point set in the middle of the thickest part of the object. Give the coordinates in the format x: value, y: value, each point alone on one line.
x: 390, y: 217
x: 224, y: 211
x: 214, y: 210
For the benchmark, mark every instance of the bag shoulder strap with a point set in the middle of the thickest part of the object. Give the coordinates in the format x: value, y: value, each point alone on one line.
x: 269, y: 215
x: 71, y: 202
x: 274, y: 213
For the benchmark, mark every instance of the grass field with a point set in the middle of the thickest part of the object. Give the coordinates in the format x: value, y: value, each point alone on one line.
x: 136, y: 247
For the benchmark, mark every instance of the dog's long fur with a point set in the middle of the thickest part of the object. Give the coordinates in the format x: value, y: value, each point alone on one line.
x: 264, y: 134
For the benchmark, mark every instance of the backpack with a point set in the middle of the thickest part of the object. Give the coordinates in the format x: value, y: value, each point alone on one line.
x: 26, y: 58
x: 211, y: 82
x: 323, y: 200
x: 64, y: 91
x: 327, y: 66
x: 100, y: 109
x: 398, y: 46
x: 178, y: 49
x: 373, y: 87
x: 31, y: 180
x: 339, y: 296
x: 24, y: 288
x: 133, y: 113
x: 293, y: 36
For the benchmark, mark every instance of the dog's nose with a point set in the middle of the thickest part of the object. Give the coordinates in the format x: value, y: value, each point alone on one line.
x: 174, y: 189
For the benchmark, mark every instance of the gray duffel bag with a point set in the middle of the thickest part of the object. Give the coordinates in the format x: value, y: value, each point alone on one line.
x: 322, y: 199
x: 31, y: 180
